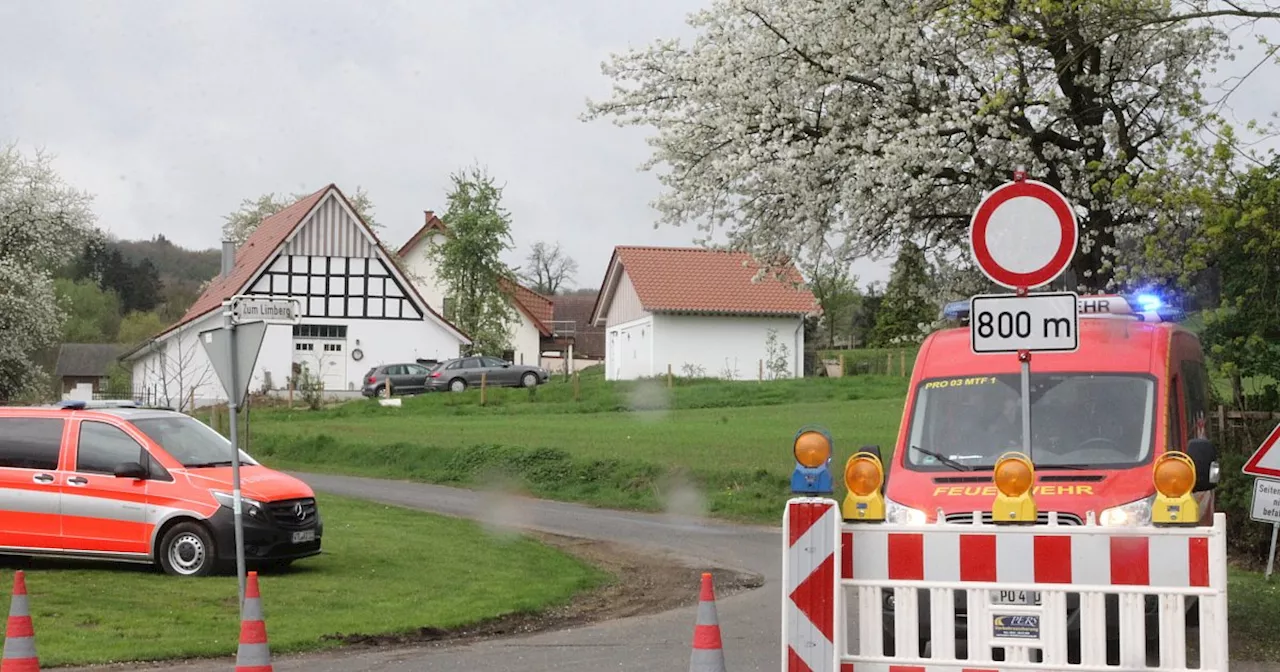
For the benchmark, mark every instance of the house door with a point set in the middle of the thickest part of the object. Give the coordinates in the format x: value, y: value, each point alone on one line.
x: 324, y: 358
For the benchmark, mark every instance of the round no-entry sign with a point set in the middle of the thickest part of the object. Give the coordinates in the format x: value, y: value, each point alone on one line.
x: 1023, y: 234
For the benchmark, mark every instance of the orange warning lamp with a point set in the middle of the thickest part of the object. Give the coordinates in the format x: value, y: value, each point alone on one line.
x: 1174, y: 475
x: 1014, y: 476
x: 863, y: 476
x: 812, y: 472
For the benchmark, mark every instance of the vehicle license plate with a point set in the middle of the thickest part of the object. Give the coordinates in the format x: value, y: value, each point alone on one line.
x: 303, y: 536
x: 1016, y: 597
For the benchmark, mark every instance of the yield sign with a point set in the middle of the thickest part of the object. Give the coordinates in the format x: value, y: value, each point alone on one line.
x: 1265, y: 460
x: 1023, y: 234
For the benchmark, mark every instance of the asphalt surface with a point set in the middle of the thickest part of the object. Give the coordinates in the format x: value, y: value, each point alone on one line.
x: 750, y: 621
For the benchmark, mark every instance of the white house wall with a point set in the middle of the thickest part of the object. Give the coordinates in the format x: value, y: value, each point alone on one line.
x: 422, y: 272
x: 625, y: 305
x: 629, y: 350
x: 182, y: 364
x: 725, y: 346
x: 526, y: 340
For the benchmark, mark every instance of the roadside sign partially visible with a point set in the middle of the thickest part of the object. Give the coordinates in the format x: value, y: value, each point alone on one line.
x: 1023, y: 234
x: 1265, y: 461
x: 1266, y: 501
x: 219, y: 343
x: 247, y: 309
x: 1003, y: 323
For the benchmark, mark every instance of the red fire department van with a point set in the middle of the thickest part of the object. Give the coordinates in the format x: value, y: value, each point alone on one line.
x: 116, y: 482
x: 1136, y: 388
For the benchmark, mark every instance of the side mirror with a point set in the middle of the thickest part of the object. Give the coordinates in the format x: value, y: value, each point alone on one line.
x: 130, y: 470
x: 875, y: 450
x: 506, y: 365
x: 1205, y: 456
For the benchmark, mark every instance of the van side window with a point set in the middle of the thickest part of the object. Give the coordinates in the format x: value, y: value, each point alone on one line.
x: 103, y: 447
x: 30, y: 443
x: 1195, y: 382
x: 1175, y: 419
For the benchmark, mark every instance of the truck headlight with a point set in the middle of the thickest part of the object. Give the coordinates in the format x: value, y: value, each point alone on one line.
x: 1133, y: 514
x: 251, y: 507
x: 898, y: 514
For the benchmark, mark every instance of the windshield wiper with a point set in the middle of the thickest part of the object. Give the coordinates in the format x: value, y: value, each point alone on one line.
x: 1072, y: 467
x: 944, y: 459
x: 203, y: 465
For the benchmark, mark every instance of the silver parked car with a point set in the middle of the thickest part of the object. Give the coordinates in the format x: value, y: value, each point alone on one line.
x: 459, y: 374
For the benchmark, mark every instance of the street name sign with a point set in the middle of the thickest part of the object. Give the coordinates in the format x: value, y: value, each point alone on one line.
x: 1004, y: 323
x: 248, y: 309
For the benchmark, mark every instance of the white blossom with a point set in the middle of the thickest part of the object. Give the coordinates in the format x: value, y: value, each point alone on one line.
x: 43, y: 225
x: 794, y: 123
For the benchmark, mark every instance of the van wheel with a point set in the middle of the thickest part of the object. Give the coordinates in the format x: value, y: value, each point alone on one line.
x: 458, y: 385
x: 529, y: 380
x: 187, y: 550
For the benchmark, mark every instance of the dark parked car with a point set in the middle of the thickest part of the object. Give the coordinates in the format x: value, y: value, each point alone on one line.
x: 405, y: 379
x: 458, y: 374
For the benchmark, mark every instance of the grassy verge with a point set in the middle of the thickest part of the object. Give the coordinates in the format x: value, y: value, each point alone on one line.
x: 726, y: 444
x: 87, y: 614
x: 1251, y: 616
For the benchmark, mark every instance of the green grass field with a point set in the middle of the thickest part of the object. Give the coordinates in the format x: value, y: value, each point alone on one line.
x: 386, y: 570
x: 630, y: 445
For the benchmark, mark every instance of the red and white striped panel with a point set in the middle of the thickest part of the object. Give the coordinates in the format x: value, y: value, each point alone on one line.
x: 1025, y: 556
x: 887, y: 667
x: 811, y: 530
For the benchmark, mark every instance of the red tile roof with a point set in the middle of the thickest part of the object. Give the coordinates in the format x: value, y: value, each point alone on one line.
x: 432, y: 223
x: 259, y: 249
x: 698, y: 280
x: 536, y: 306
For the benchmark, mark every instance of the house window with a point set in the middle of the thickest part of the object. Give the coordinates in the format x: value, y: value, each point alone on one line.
x: 304, y: 346
x: 339, y: 287
x: 319, y: 331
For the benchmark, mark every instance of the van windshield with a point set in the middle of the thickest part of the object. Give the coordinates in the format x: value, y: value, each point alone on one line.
x: 190, y: 441
x: 1077, y: 420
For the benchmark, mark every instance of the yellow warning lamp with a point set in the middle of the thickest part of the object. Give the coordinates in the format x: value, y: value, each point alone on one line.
x: 812, y: 472
x: 863, y: 476
x: 1174, y: 475
x: 1014, y: 476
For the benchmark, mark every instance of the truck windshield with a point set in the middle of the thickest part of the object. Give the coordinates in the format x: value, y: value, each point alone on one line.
x: 190, y: 441
x: 1077, y: 420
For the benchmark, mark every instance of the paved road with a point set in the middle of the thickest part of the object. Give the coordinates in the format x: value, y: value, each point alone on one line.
x: 750, y: 621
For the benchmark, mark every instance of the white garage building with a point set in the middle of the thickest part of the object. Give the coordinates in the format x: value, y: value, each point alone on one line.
x: 358, y: 309
x: 694, y: 309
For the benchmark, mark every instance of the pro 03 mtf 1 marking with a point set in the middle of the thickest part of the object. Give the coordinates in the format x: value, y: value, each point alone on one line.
x: 1036, y: 323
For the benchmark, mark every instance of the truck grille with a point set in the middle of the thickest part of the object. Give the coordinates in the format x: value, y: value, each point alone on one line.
x: 293, y: 514
x: 1041, y: 519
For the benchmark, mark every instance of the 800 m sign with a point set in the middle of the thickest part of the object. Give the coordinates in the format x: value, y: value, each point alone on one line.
x: 1037, y: 323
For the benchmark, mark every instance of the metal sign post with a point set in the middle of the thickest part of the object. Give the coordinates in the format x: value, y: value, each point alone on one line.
x: 233, y: 352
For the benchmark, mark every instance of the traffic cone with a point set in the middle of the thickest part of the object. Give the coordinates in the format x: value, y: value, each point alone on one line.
x: 708, y: 652
x: 253, y: 654
x: 19, y: 635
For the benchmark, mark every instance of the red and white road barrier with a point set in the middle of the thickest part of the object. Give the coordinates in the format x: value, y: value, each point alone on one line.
x: 1149, y: 572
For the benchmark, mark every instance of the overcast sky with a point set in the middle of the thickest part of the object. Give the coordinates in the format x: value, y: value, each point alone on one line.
x: 171, y: 113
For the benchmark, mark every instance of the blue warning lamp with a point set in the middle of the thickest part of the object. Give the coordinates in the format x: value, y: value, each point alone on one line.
x: 812, y: 450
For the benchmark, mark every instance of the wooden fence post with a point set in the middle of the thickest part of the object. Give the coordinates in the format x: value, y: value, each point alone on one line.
x: 842, y: 365
x: 483, y: 379
x: 575, y: 386
x: 191, y: 402
x: 291, y: 393
x: 668, y: 376
x: 1222, y: 422
x: 902, y: 361
x: 761, y: 370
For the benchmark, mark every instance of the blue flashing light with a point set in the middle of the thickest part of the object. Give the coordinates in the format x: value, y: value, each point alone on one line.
x: 956, y: 310
x: 1148, y: 303
x: 73, y: 404
x: 815, y: 479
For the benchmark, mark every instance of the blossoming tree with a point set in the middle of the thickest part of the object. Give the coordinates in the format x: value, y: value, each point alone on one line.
x: 788, y: 123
